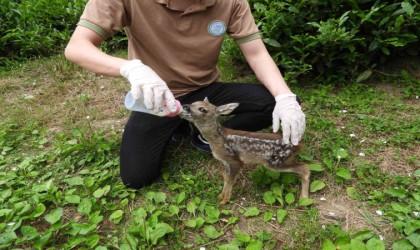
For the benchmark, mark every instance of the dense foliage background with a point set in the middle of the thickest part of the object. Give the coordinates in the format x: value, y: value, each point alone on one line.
x: 334, y: 40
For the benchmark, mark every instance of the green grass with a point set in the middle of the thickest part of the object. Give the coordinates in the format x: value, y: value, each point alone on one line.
x: 60, y: 188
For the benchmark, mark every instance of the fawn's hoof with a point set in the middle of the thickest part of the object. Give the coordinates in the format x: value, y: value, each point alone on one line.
x: 221, y: 196
x: 223, y: 202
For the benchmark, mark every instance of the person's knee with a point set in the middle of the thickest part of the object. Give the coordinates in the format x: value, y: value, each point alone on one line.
x: 139, y: 180
x: 138, y: 176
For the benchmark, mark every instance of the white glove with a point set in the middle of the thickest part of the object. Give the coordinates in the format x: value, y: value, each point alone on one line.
x: 292, y: 118
x: 144, y: 81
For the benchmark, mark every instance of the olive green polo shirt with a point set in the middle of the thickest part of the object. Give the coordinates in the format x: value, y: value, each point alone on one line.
x: 181, y: 46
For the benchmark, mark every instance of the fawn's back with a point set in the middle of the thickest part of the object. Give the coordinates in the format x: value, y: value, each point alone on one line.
x: 258, y: 148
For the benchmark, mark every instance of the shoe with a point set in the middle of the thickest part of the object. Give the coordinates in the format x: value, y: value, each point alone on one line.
x: 198, y: 141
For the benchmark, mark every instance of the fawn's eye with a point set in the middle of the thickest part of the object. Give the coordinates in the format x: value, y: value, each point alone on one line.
x: 202, y: 110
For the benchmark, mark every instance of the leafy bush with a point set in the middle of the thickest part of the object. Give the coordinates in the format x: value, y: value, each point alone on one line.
x: 336, y: 39
x: 37, y: 27
x: 31, y: 28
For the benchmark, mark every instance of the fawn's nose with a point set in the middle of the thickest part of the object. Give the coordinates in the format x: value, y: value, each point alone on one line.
x: 186, y: 107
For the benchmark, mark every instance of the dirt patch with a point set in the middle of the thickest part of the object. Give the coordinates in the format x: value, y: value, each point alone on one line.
x: 351, y: 214
x: 394, y: 160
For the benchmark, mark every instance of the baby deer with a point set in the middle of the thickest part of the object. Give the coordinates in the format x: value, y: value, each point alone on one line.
x: 236, y: 148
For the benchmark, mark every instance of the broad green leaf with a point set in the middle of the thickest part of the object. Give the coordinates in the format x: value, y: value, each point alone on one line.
x: 341, y: 153
x: 411, y: 226
x: 29, y: 232
x: 316, y: 167
x: 230, y: 246
x: 95, y: 217
x: 89, y: 181
x: 139, y: 215
x: 101, y: 191
x: 252, y: 212
x: 269, y: 198
x: 402, y: 245
x: 158, y: 197
x: 159, y: 231
x: 232, y: 220
x: 268, y: 216
x: 364, y: 235
x: 281, y: 214
x: 414, y: 239
x: 344, y: 173
x: 92, y: 240
x: 7, y: 237
x: 85, y: 228
x: 375, y: 244
x: 116, y: 216
x: 397, y: 193
x: 272, y: 42
x: 328, y: 245
x: 364, y: 75
x: 180, y: 198
x: 212, y: 233
x: 416, y: 196
x: 174, y: 210
x: 343, y: 242
x: 73, y: 199
x: 54, y: 216
x: 39, y: 210
x: 199, y: 222
x: 212, y: 214
x: 289, y: 198
x: 243, y: 237
x: 400, y: 207
x: 357, y: 245
x: 5, y: 212
x: 408, y: 8
x: 316, y: 186
x: 196, y: 223
x: 191, y: 223
x: 227, y: 212
x: 255, y: 245
x: 351, y: 191
x: 85, y: 206
x: 191, y: 207
x: 74, y: 241
x: 42, y: 240
x: 75, y: 181
x: 303, y: 202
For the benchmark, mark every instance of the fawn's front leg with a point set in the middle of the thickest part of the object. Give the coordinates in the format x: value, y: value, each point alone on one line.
x: 229, y: 176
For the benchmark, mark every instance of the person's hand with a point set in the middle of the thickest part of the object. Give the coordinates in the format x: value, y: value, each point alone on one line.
x: 147, y: 84
x: 292, y: 118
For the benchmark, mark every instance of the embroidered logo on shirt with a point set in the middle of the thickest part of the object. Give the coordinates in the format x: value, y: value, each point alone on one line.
x: 216, y: 28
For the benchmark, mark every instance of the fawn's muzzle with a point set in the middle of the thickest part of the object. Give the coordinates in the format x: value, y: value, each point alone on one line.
x: 186, y: 107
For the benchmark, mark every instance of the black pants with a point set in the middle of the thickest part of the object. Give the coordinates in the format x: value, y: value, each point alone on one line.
x: 146, y: 136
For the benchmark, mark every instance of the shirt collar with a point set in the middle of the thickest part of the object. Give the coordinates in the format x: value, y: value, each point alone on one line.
x: 204, y: 3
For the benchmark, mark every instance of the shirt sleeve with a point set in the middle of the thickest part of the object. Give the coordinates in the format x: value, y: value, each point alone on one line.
x: 106, y: 17
x: 242, y: 27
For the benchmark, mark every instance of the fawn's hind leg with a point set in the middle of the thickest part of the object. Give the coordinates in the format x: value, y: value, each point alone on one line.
x: 229, y: 176
x: 302, y: 170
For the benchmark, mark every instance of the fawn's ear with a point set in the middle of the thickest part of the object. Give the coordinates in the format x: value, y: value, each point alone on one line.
x: 227, y: 108
x: 206, y: 100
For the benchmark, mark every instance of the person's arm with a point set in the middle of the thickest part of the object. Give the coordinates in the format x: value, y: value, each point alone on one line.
x: 83, y: 50
x: 287, y: 108
x: 264, y: 67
